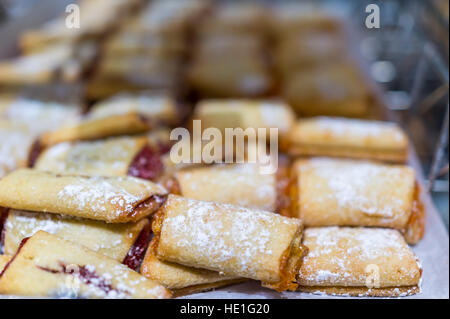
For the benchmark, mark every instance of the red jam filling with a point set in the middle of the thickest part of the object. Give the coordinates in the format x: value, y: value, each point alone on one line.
x: 147, y: 164
x: 136, y: 253
x: 87, y: 276
x: 22, y: 243
x: 35, y: 151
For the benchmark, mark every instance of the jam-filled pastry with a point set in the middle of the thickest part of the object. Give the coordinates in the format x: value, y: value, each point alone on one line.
x: 16, y: 141
x: 122, y: 156
x: 340, y: 137
x: 4, y: 260
x: 109, y: 199
x: 229, y: 239
x: 333, y: 192
x: 55, y: 31
x: 239, y: 184
x: 358, y: 262
x: 330, y: 90
x: 296, y: 18
x: 112, y: 240
x: 97, y: 128
x: 38, y: 115
x: 183, y: 280
x: 64, y: 62
x: 46, y: 265
x: 229, y: 76
x: 159, y: 108
x: 242, y: 113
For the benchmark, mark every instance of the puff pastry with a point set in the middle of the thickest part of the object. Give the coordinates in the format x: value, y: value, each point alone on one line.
x: 334, y: 192
x: 46, y: 265
x: 239, y: 184
x: 339, y: 137
x: 230, y: 239
x: 330, y: 90
x: 359, y: 262
x: 244, y: 114
x: 112, y: 240
x: 109, y: 199
x: 182, y: 280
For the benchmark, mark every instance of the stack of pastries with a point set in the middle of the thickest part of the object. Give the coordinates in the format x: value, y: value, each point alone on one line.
x: 148, y: 50
x: 93, y: 203
x: 229, y: 58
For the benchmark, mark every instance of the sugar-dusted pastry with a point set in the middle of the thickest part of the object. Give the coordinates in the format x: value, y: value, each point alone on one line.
x: 120, y: 156
x: 109, y: 199
x: 16, y: 140
x: 97, y: 128
x: 359, y: 262
x: 242, y: 113
x: 156, y: 108
x: 46, y: 265
x: 183, y: 280
x: 331, y: 90
x: 63, y: 62
x: 230, y: 239
x: 239, y: 184
x: 340, y: 137
x: 4, y: 260
x: 334, y: 192
x: 38, y: 115
x: 112, y: 240
x: 229, y: 77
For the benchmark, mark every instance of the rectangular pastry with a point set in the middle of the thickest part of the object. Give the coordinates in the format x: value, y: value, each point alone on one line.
x: 97, y: 128
x: 16, y: 141
x: 122, y: 156
x: 38, y: 115
x: 183, y: 280
x: 113, y: 240
x: 340, y: 137
x: 109, y: 199
x: 330, y: 90
x: 238, y: 184
x: 243, y: 113
x: 333, y: 192
x: 230, y: 239
x: 158, y: 108
x: 46, y: 265
x: 359, y: 262
x: 119, y: 115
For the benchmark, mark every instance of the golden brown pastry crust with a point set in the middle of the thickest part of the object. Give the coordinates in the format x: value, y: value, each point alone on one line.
x: 181, y: 278
x: 110, y: 157
x: 109, y: 199
x: 4, y: 260
x: 112, y: 240
x: 91, y: 129
x: 47, y: 265
x: 333, y: 192
x: 238, y: 184
x: 231, y: 239
x: 339, y: 137
x: 157, y: 108
x: 244, y: 113
x: 358, y: 258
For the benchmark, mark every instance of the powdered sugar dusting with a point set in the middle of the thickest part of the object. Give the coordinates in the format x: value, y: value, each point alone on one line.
x: 339, y: 256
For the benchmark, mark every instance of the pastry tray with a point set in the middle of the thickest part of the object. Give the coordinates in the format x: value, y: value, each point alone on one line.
x: 432, y: 250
